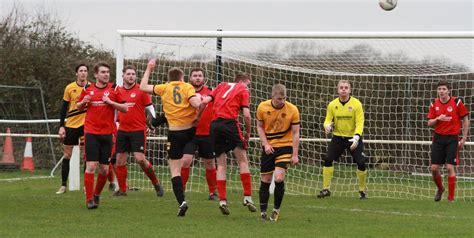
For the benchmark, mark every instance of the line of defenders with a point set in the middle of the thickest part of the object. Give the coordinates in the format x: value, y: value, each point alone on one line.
x: 205, y: 120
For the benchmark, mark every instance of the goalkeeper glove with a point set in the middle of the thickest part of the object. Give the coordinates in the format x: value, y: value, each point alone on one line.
x: 355, y: 142
x: 328, y: 128
x: 159, y: 120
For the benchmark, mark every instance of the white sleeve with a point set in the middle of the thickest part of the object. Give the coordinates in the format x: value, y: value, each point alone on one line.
x: 151, y: 110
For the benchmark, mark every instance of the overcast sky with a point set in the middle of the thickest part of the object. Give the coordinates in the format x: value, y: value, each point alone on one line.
x: 97, y: 21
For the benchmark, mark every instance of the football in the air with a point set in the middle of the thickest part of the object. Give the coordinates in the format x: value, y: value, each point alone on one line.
x: 388, y: 5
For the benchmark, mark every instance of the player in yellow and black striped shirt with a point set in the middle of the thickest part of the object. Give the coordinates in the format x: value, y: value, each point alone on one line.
x: 180, y: 103
x: 73, y: 130
x: 278, y: 126
x: 345, y: 118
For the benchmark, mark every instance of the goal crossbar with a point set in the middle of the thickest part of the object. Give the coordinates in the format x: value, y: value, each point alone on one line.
x: 299, y: 34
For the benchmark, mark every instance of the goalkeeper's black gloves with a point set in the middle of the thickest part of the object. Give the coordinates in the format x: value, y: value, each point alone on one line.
x: 159, y: 120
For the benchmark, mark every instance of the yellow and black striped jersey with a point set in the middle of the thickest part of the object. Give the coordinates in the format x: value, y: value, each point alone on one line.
x: 277, y: 122
x: 175, y: 97
x: 75, y: 118
x: 348, y: 117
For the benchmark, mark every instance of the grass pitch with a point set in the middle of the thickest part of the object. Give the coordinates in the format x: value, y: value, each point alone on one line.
x: 30, y: 207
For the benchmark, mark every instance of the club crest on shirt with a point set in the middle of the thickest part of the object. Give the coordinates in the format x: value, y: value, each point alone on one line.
x: 450, y: 109
x: 269, y: 113
x: 437, y: 108
x: 91, y: 93
x: 106, y: 93
x: 336, y: 107
x: 350, y: 109
x: 283, y: 115
x: 133, y: 95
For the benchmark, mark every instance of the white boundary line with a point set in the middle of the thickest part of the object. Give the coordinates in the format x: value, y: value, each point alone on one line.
x: 25, y: 178
x: 429, y: 175
x: 395, y: 213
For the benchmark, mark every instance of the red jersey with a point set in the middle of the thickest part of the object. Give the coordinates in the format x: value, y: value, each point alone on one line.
x: 204, y: 126
x: 455, y: 109
x: 100, y: 116
x: 135, y: 118
x: 229, y: 98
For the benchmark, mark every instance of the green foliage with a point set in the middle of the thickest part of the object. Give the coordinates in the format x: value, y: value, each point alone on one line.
x: 38, y: 51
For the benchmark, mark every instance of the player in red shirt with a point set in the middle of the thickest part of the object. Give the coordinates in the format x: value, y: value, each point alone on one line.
x: 445, y: 115
x: 101, y: 100
x: 131, y: 135
x: 202, y: 139
x: 226, y: 135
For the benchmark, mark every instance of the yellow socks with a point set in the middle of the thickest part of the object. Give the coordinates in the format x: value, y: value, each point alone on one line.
x: 362, y: 175
x: 327, y: 176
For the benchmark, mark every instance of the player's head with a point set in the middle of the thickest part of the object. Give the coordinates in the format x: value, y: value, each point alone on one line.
x: 443, y: 88
x: 81, y: 71
x: 344, y: 88
x: 129, y: 75
x: 175, y: 74
x: 102, y: 72
x: 196, y: 77
x: 278, y: 95
x: 242, y: 78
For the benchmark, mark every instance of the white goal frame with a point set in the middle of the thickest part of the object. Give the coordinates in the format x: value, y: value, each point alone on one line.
x: 469, y: 35
x: 290, y: 34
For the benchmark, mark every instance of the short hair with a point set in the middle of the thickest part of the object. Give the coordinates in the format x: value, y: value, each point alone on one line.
x: 279, y: 89
x: 196, y: 69
x: 344, y: 81
x: 100, y: 64
x: 241, y: 77
x: 129, y: 67
x: 80, y: 65
x: 443, y: 83
x: 175, y: 74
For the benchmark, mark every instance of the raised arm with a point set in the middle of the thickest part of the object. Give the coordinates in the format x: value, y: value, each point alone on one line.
x: 146, y: 76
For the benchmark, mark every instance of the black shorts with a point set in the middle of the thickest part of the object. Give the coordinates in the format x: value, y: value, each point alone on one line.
x: 444, y: 149
x: 339, y: 144
x: 98, y: 147
x: 177, y: 141
x: 202, y: 144
x: 281, y: 158
x: 73, y: 135
x: 133, y: 141
x: 226, y: 135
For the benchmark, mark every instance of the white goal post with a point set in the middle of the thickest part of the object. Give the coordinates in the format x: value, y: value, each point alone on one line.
x: 392, y: 74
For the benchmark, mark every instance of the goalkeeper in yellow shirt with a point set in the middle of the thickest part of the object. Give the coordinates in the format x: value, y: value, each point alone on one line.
x: 345, y: 119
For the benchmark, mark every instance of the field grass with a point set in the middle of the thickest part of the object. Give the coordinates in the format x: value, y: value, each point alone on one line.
x: 30, y: 207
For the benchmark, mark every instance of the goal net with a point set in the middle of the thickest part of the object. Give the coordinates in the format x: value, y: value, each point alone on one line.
x: 392, y: 74
x: 23, y: 113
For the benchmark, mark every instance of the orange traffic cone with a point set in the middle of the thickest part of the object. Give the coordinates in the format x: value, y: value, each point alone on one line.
x: 28, y: 156
x: 7, y: 158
